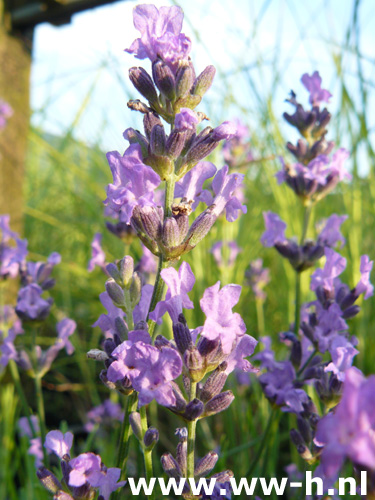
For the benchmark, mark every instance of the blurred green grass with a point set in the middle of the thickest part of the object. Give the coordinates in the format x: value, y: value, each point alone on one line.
x: 64, y: 189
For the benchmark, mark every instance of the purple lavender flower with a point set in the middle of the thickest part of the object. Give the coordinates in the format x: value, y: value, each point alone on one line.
x: 331, y: 234
x: 160, y: 34
x: 186, y: 119
x: 36, y: 450
x: 24, y: 426
x: 7, y: 348
x: 225, y: 131
x: 217, y: 252
x: 103, y: 413
x: 275, y: 230
x: 334, y: 266
x: 107, y: 322
x: 30, y: 304
x: 133, y: 182
x: 5, y: 112
x: 11, y: 257
x: 109, y: 482
x: 342, y: 352
x: 221, y: 323
x: 85, y: 467
x: 257, y: 278
x: 237, y: 149
x: 149, y: 369
x: 224, y: 186
x: 313, y: 84
x: 179, y: 284
x: 244, y: 348
x: 348, y: 431
x: 66, y: 328
x: 364, y: 286
x: 190, y: 187
x: 97, y: 253
x: 147, y: 263
x: 59, y: 443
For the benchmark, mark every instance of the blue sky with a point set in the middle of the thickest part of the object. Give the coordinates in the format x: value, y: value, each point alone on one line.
x: 83, y: 65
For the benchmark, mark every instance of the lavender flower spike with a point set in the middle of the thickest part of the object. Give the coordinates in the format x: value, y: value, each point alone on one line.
x: 224, y: 186
x: 221, y: 323
x: 331, y: 233
x: 313, y: 84
x: 160, y: 34
x: 97, y: 253
x: 334, y: 266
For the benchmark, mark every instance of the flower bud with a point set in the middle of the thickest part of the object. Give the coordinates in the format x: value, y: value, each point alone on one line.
x: 115, y: 292
x: 214, y: 383
x: 176, y: 143
x: 194, y: 363
x: 136, y: 425
x: 180, y: 404
x: 194, y: 409
x: 299, y: 443
x: 62, y: 495
x: 181, y: 449
x: 164, y: 79
x: 182, y: 220
x: 48, y: 480
x: 200, y: 227
x: 113, y: 271
x: 135, y: 137
x: 150, y: 120
x: 97, y: 354
x: 184, y: 80
x: 158, y: 140
x: 137, y: 105
x: 151, y: 221
x: 219, y: 403
x: 135, y: 290
x: 204, y: 81
x: 171, y: 233
x: 143, y: 83
x: 170, y: 466
x: 205, y: 465
x: 127, y: 270
x: 304, y: 429
x: 151, y: 437
x: 182, y: 337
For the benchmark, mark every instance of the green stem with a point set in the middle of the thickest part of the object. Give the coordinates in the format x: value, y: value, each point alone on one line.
x: 169, y: 195
x: 305, y: 225
x: 262, y: 445
x: 260, y: 316
x: 307, y: 362
x: 17, y: 382
x: 157, y: 294
x: 191, y: 436
x: 129, y: 312
x: 147, y: 454
x: 125, y: 434
x: 41, y: 414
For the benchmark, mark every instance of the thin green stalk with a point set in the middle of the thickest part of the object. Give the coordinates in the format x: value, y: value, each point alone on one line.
x: 17, y: 382
x: 191, y: 436
x: 262, y: 445
x: 41, y: 414
x: 305, y: 225
x: 169, y: 195
x: 124, y: 440
x: 260, y: 316
x: 307, y: 362
x: 147, y: 454
x: 129, y: 312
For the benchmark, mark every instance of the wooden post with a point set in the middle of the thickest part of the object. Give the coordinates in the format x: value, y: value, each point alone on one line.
x: 15, y: 62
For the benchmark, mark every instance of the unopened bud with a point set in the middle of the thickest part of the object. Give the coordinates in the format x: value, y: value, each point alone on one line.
x: 151, y: 437
x: 176, y: 143
x: 194, y: 409
x: 182, y: 337
x: 213, y: 384
x: 184, y: 80
x: 194, y: 363
x: 121, y: 328
x: 204, y: 81
x: 135, y: 290
x: 126, y: 270
x: 304, y: 428
x: 143, y: 83
x: 48, y: 480
x: 219, y: 403
x: 113, y: 271
x: 136, y: 424
x: 171, y: 233
x: 151, y: 222
x: 158, y: 140
x: 200, y: 227
x: 170, y: 466
x: 115, y: 292
x: 205, y: 465
x: 149, y: 122
x: 164, y: 79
